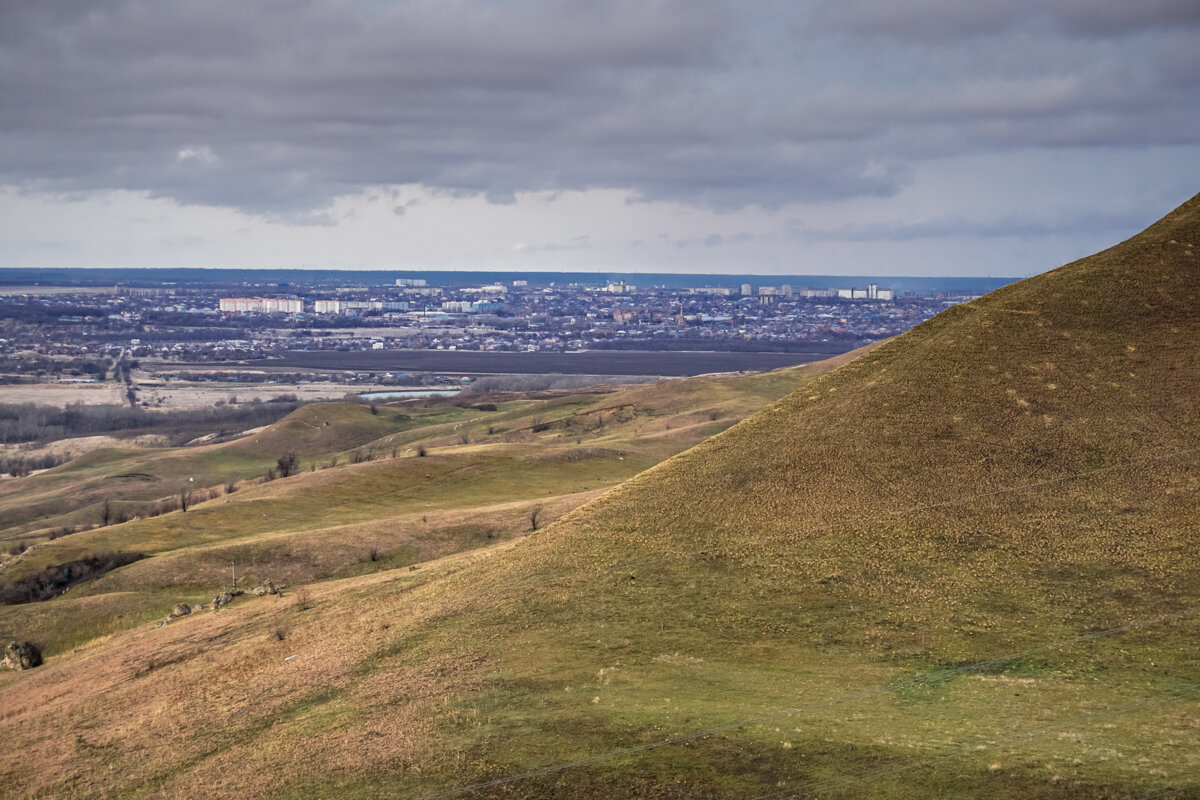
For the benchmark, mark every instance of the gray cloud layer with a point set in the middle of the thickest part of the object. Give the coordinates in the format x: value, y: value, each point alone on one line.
x: 276, y: 107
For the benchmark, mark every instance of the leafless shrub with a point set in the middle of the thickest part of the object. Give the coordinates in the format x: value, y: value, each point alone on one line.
x: 303, y: 601
x: 58, y: 533
x: 166, y: 506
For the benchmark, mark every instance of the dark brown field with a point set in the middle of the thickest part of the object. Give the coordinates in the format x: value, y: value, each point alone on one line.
x: 593, y: 362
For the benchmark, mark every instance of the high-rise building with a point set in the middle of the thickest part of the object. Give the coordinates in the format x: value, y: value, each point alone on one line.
x: 261, y: 305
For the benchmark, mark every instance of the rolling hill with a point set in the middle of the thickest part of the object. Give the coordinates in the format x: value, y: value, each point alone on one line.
x: 960, y: 565
x: 363, y: 499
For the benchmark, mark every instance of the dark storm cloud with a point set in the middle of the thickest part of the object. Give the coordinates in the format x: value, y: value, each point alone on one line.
x: 1020, y: 226
x: 277, y: 107
x: 928, y: 20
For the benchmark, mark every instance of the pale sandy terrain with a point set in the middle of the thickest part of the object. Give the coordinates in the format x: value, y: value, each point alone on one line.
x: 175, y: 395
x: 63, y: 394
x: 180, y: 395
x: 83, y: 444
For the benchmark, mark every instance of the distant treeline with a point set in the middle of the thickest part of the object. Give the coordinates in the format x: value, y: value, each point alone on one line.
x: 27, y: 422
x: 53, y: 581
x: 84, y: 367
x: 254, y: 377
x: 20, y: 466
x: 37, y: 313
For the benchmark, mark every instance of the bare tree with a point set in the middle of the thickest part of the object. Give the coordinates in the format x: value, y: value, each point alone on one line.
x: 185, y: 499
x: 535, y: 516
x: 287, y: 464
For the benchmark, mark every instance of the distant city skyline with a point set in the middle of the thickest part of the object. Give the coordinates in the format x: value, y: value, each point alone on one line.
x: 284, y: 281
x: 856, y: 137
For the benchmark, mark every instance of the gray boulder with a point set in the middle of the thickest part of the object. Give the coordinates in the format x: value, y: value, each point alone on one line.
x: 266, y: 587
x: 181, y: 610
x: 221, y: 600
x: 21, y: 655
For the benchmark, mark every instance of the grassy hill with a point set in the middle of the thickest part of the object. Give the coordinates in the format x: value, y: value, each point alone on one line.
x: 364, y: 499
x: 960, y: 565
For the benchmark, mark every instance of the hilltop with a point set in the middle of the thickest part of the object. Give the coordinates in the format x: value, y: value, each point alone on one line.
x: 961, y: 564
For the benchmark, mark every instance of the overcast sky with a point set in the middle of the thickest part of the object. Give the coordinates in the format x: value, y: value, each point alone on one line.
x: 923, y: 137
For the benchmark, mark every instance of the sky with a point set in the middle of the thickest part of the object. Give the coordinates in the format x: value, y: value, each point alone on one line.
x: 861, y: 137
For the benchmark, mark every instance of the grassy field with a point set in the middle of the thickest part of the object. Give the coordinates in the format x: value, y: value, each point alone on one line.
x: 960, y: 565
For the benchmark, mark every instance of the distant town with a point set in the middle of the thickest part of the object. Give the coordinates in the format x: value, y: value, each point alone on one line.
x: 59, y: 331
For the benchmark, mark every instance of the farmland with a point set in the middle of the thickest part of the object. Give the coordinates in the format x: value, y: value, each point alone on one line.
x: 598, y: 363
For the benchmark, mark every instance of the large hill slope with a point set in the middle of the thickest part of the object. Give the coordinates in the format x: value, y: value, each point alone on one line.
x: 961, y: 565
x: 1017, y: 472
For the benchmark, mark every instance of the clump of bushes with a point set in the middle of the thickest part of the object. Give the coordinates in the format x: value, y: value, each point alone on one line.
x: 21, y: 466
x: 58, y: 533
x: 54, y: 580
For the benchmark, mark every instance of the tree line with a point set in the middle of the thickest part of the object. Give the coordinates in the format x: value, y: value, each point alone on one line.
x: 27, y: 422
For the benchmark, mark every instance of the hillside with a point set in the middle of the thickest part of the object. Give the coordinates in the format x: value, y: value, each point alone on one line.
x: 960, y: 565
x: 364, y: 498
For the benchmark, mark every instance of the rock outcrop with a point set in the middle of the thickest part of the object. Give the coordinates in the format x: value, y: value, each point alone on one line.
x: 266, y: 587
x: 21, y: 655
